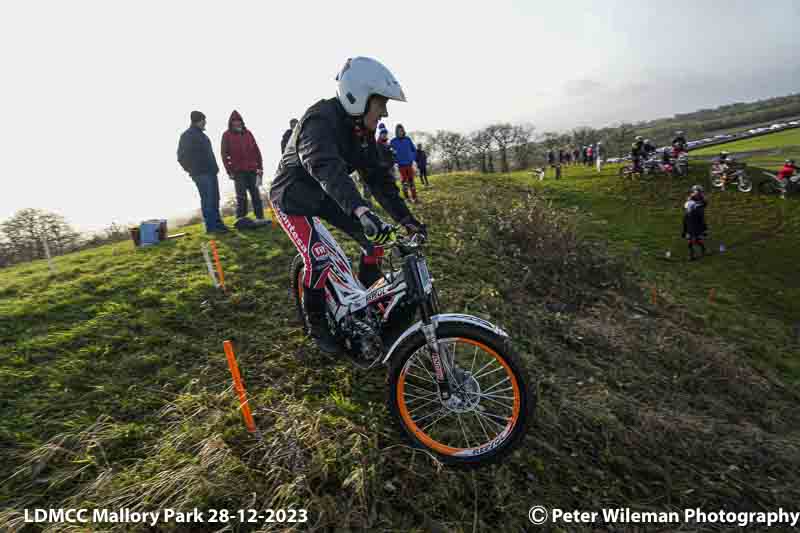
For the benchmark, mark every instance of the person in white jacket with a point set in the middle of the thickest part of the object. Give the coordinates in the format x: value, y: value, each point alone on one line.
x: 599, y: 153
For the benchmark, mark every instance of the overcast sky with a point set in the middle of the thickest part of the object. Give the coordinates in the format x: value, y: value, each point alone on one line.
x: 96, y: 94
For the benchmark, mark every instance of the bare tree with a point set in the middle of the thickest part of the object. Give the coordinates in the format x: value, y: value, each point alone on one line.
x: 503, y: 135
x: 482, y: 143
x: 621, y: 138
x: 523, y: 134
x: 454, y: 149
x: 24, y: 235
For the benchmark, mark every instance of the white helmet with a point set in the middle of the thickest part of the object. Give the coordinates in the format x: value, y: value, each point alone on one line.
x: 360, y: 78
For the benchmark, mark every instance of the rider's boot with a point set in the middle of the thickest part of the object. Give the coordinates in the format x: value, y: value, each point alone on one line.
x: 319, y: 331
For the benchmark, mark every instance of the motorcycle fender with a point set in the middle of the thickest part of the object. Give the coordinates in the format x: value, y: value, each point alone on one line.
x: 445, y: 317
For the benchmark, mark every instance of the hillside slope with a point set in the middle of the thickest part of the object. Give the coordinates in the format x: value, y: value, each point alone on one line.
x: 114, y: 390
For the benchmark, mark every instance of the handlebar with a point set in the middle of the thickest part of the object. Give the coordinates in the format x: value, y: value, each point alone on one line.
x: 405, y: 244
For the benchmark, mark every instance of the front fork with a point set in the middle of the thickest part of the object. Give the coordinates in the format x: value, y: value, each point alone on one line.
x: 442, y: 383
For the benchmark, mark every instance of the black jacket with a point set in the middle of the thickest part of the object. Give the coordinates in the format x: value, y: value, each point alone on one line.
x: 694, y: 217
x: 422, y: 158
x: 285, y: 139
x: 195, y: 154
x: 322, y: 152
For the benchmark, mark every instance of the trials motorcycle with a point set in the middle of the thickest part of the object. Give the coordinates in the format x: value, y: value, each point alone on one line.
x: 455, y: 384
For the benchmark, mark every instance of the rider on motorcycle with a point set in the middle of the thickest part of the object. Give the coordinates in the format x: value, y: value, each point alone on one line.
x: 787, y: 171
x: 648, y: 147
x: 679, y: 144
x: 335, y: 137
x: 637, y: 152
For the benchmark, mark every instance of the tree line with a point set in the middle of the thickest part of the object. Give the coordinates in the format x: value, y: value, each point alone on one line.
x: 503, y: 146
x: 498, y: 147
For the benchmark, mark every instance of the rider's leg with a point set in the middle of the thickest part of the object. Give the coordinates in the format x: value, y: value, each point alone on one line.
x: 369, y: 269
x: 302, y: 231
x: 411, y: 181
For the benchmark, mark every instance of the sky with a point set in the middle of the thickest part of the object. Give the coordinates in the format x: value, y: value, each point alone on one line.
x: 96, y: 94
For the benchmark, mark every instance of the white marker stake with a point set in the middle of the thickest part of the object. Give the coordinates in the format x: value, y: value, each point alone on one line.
x: 207, y: 257
x: 47, y: 254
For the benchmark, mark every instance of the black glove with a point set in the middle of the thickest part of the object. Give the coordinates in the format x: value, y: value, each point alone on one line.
x: 376, y: 230
x: 412, y: 225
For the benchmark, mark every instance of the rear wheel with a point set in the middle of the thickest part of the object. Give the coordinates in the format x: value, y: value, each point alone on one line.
x: 296, y: 273
x: 767, y: 186
x: 490, y: 406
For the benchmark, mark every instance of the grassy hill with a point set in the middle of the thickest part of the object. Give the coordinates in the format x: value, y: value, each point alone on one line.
x: 781, y: 139
x: 114, y: 391
x: 766, y: 151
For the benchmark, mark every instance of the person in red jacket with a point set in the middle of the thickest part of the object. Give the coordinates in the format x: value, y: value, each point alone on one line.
x: 787, y: 170
x: 242, y: 160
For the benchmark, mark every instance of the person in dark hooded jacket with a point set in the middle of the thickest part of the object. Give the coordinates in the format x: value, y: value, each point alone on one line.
x: 694, y: 220
x: 333, y: 138
x: 242, y: 160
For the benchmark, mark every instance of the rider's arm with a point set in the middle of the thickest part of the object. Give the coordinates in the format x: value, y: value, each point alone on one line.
x: 319, y: 154
x: 383, y: 188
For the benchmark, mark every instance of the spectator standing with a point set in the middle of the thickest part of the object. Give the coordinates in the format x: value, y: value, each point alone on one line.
x: 287, y: 134
x: 422, y: 164
x: 694, y: 220
x: 196, y: 157
x: 404, y: 154
x: 242, y: 159
x: 598, y: 156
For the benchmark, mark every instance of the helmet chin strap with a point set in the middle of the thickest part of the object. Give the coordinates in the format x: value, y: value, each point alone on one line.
x: 360, y: 130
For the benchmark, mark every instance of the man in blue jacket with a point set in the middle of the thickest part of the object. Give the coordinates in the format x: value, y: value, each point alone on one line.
x: 405, y: 153
x: 197, y: 158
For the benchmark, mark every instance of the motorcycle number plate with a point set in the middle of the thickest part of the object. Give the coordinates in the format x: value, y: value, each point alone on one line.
x: 424, y: 276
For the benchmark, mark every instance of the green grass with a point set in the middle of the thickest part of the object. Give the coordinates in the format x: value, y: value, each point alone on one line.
x: 755, y: 280
x: 779, y: 139
x: 114, y: 390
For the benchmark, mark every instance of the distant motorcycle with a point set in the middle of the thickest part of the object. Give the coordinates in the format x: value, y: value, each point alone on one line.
x: 775, y: 186
x: 680, y: 165
x: 723, y: 174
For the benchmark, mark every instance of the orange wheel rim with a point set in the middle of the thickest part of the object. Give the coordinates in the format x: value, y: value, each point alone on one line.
x: 442, y: 448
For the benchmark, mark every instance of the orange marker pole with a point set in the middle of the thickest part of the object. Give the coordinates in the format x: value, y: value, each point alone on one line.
x: 653, y: 295
x: 239, y: 386
x: 213, y: 245
x: 711, y: 295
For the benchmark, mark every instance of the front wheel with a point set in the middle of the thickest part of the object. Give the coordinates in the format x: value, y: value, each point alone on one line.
x: 745, y: 185
x: 490, y: 405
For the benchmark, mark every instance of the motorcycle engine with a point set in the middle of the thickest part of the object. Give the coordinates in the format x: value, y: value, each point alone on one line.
x: 362, y: 335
